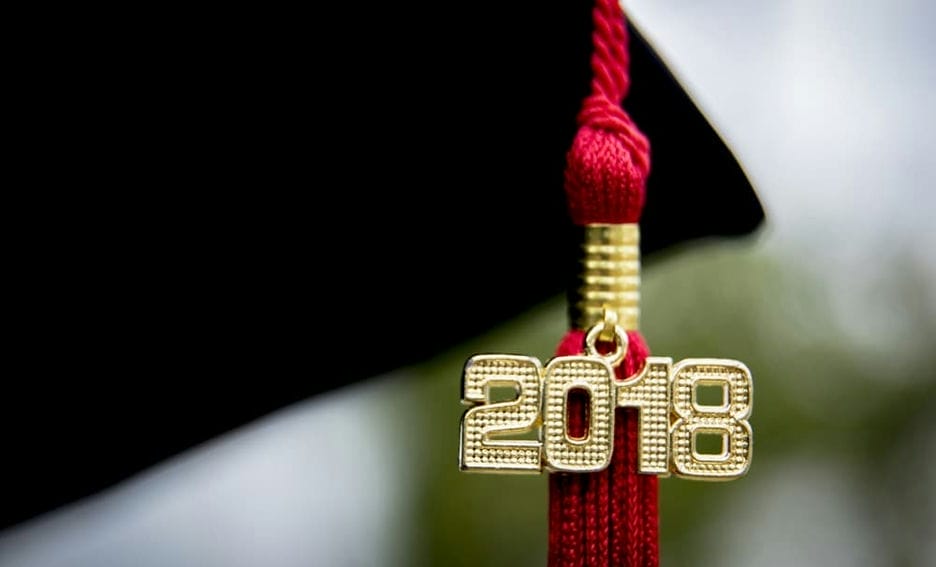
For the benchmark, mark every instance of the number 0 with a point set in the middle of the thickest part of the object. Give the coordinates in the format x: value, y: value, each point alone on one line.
x: 593, y: 452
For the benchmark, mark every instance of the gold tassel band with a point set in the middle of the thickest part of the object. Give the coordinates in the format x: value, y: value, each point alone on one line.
x: 608, y: 276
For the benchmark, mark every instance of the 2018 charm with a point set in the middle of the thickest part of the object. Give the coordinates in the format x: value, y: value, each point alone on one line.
x: 672, y: 417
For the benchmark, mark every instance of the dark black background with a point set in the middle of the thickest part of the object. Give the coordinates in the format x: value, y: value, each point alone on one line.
x: 239, y: 193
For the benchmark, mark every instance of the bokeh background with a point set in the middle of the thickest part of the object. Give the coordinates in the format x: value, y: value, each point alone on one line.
x: 828, y: 105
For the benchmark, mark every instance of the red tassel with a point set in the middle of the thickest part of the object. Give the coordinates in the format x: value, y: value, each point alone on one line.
x: 608, y: 517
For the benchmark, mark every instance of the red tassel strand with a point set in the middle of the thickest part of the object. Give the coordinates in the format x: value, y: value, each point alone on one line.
x: 609, y: 517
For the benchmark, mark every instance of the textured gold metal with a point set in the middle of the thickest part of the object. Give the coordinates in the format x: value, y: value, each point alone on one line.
x: 564, y: 453
x: 608, y: 276
x: 479, y: 451
x: 729, y: 419
x: 649, y: 392
x: 671, y: 415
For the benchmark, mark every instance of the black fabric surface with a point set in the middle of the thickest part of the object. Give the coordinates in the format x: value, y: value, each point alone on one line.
x: 250, y: 192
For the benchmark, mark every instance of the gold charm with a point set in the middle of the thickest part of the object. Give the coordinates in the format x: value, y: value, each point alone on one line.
x: 671, y: 415
x: 673, y: 422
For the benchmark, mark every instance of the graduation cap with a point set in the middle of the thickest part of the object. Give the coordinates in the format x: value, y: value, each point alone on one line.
x: 279, y: 195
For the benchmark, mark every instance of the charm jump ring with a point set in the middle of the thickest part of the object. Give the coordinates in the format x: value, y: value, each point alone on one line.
x: 620, y: 341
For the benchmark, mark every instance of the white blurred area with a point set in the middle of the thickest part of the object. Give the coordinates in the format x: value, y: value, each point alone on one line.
x: 828, y: 105
x: 309, y: 485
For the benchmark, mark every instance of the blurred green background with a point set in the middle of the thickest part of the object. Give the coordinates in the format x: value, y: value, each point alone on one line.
x: 832, y: 305
x: 843, y: 429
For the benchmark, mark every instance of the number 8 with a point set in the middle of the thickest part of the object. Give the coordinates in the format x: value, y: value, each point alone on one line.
x: 728, y: 419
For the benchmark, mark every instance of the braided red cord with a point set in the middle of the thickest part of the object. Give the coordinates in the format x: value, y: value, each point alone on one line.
x: 609, y: 517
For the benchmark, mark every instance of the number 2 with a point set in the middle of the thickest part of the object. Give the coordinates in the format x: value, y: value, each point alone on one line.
x: 478, y: 450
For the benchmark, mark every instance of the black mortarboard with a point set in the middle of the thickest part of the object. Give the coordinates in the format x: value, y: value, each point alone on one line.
x: 281, y: 195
